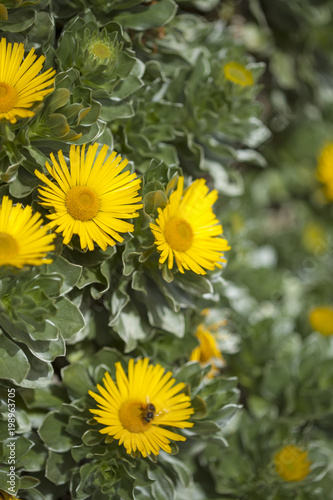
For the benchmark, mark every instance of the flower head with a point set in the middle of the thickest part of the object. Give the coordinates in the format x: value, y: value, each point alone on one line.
x: 98, y: 51
x: 187, y: 229
x: 20, y: 87
x: 23, y: 240
x: 207, y: 352
x: 292, y: 464
x: 92, y: 197
x: 237, y: 73
x: 325, y: 170
x: 136, y: 408
x: 321, y: 319
x: 314, y: 238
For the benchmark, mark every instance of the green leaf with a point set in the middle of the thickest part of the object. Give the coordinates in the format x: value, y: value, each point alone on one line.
x: 115, y: 111
x: 58, y: 98
x: 130, y: 327
x: 34, y: 459
x: 154, y: 16
x: 48, y: 397
x: 154, y: 200
x: 18, y: 20
x: 92, y: 437
x: 68, y: 319
x: 53, y: 433
x: 59, y: 467
x: 14, y: 364
x: 76, y: 380
x: 205, y: 427
x: 27, y: 482
x: 40, y: 373
x: 4, y: 479
x: 69, y: 272
x: 163, y: 488
x: 200, y: 407
x: 190, y: 373
x: 127, y: 87
x: 57, y: 125
x: 22, y: 446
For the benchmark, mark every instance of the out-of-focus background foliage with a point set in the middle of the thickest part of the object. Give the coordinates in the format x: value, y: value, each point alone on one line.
x: 163, y: 102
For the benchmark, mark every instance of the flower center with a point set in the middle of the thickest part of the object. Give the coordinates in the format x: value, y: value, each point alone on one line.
x: 132, y: 415
x: 178, y: 234
x: 82, y: 203
x: 101, y: 51
x: 8, y: 246
x: 8, y: 97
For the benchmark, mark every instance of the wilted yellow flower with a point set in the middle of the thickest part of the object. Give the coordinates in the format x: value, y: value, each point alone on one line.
x: 321, y: 319
x: 188, y: 230
x: 136, y: 408
x: 292, y: 464
x: 92, y: 197
x: 237, y: 73
x: 325, y: 170
x: 20, y: 87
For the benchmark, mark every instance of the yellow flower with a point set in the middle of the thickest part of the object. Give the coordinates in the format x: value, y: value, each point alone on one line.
x: 207, y: 351
x: 91, y: 197
x: 6, y: 496
x: 292, y: 464
x: 20, y: 87
x: 136, y: 408
x: 187, y: 229
x: 321, y: 319
x: 325, y: 170
x: 237, y: 73
x: 314, y: 238
x: 22, y: 239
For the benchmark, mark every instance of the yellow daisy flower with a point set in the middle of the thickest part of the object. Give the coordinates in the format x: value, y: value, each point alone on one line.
x: 137, y: 407
x: 91, y: 197
x: 292, y: 464
x: 321, y: 319
x: 187, y: 229
x: 20, y: 87
x: 207, y: 352
x: 23, y: 240
x: 325, y: 170
x: 237, y: 73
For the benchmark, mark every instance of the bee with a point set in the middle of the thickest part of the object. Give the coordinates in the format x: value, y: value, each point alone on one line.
x: 148, y: 412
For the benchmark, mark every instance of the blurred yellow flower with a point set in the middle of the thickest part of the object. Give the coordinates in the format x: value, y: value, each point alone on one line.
x: 188, y: 231
x: 292, y: 464
x: 321, y: 319
x: 207, y: 352
x: 237, y: 73
x: 325, y: 170
x: 314, y: 238
x: 136, y: 408
x: 20, y: 87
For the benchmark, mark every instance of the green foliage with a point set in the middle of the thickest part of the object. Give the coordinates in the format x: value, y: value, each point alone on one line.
x: 147, y: 79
